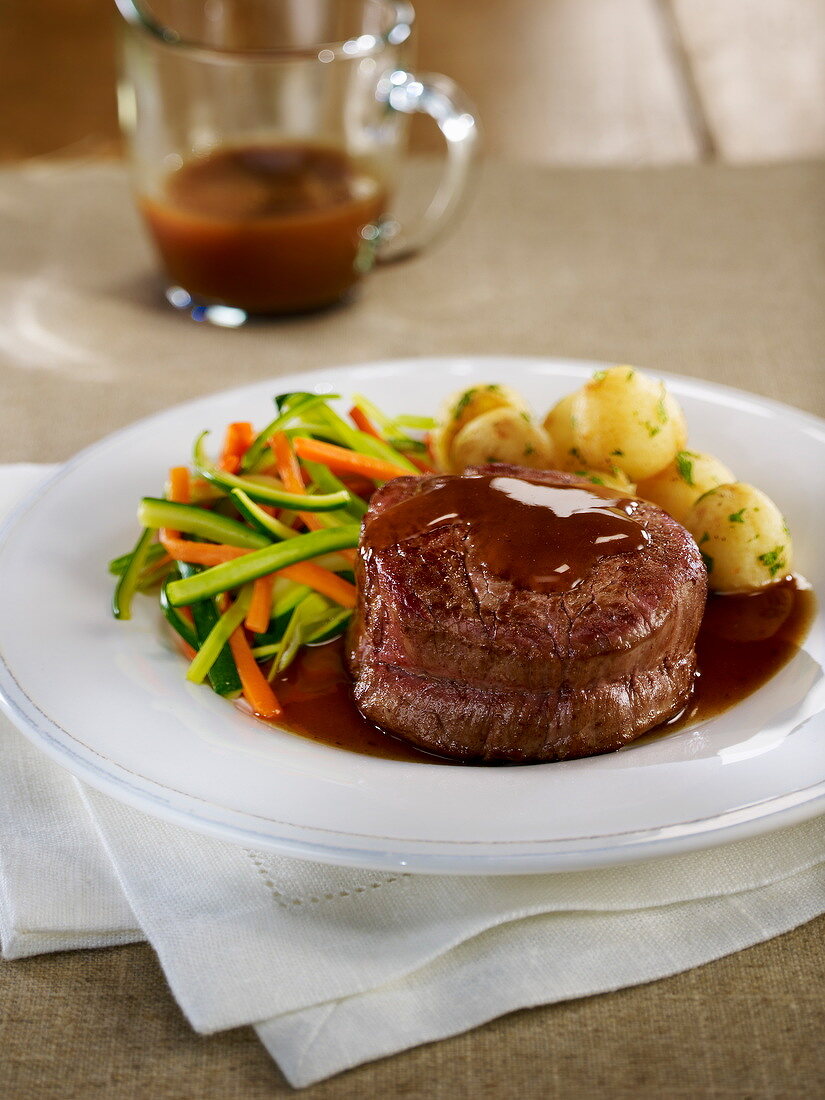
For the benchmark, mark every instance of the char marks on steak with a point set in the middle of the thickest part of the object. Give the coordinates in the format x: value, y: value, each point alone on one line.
x: 456, y: 650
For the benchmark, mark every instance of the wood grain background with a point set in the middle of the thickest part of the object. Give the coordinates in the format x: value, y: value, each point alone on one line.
x: 556, y: 81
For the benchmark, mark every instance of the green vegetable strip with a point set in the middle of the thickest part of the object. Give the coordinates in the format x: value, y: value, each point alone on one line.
x: 174, y: 617
x: 261, y: 519
x: 192, y: 520
x: 371, y: 410
x: 288, y: 412
x: 223, y: 675
x: 127, y: 585
x: 218, y: 636
x: 258, y: 563
x: 331, y: 628
x: 306, y: 618
x: 365, y: 444
x: 327, y: 482
x: 118, y: 566
x: 416, y: 423
x: 280, y: 497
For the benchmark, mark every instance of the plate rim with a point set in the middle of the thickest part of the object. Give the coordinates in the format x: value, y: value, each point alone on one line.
x: 559, y: 854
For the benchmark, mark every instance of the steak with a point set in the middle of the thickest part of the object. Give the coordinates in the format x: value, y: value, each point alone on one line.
x: 500, y: 618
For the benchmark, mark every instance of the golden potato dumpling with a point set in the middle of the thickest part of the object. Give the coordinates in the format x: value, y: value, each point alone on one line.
x: 500, y: 435
x: 625, y: 418
x: 560, y: 427
x: 610, y: 479
x: 742, y: 536
x: 689, y: 476
x: 462, y: 407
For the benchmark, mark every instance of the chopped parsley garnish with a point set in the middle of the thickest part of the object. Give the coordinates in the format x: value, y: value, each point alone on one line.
x: 684, y: 466
x: 652, y: 429
x: 736, y: 517
x: 619, y: 453
x: 708, y: 560
x: 600, y: 375
x: 630, y: 374
x: 704, y: 538
x: 661, y: 411
x: 525, y: 416
x: 529, y: 449
x: 773, y: 560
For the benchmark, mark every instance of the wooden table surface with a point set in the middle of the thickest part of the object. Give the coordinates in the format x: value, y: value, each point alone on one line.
x: 556, y: 81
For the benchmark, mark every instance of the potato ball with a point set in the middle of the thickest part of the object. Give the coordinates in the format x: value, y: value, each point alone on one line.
x: 500, y: 435
x: 611, y: 479
x: 625, y: 418
x: 560, y: 428
x: 744, y: 541
x: 683, y: 481
x: 462, y: 407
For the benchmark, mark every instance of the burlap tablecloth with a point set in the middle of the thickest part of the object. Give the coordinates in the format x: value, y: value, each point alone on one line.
x: 713, y: 272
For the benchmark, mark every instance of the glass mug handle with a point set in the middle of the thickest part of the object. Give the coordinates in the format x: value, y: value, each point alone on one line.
x: 439, y: 97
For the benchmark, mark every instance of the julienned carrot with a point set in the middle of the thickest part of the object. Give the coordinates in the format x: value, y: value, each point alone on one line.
x: 339, y: 459
x: 199, y: 553
x: 260, y: 608
x: 305, y: 572
x: 177, y: 490
x: 179, y: 485
x: 362, y: 421
x: 238, y: 440
x: 323, y: 581
x: 288, y: 469
x: 290, y: 474
x: 423, y: 466
x: 257, y: 692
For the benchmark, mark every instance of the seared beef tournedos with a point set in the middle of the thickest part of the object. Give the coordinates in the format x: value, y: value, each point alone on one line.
x: 521, y: 615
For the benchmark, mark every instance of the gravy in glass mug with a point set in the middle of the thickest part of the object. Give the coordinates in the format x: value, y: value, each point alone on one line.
x: 268, y: 228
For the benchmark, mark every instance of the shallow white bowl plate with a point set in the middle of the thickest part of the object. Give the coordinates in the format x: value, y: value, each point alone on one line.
x: 109, y: 701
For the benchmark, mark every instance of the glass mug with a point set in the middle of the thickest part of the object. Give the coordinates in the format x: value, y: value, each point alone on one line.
x: 265, y: 139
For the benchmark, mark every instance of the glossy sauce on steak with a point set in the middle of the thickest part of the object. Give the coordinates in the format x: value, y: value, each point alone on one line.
x: 516, y: 615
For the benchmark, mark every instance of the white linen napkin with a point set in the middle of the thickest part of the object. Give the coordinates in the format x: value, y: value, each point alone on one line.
x: 336, y: 967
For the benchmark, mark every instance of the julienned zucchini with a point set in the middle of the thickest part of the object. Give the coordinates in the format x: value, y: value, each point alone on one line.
x: 192, y: 520
x: 298, y: 502
x: 130, y: 577
x: 259, y: 563
x: 180, y: 625
x: 223, y: 675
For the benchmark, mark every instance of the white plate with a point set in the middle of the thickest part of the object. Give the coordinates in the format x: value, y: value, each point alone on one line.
x: 108, y: 700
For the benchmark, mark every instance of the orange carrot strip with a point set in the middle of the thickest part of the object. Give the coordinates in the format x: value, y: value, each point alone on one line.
x: 199, y: 553
x: 322, y: 580
x: 257, y: 692
x: 288, y: 469
x: 177, y: 489
x: 179, y: 485
x: 290, y: 474
x: 341, y: 459
x: 423, y: 466
x: 362, y: 421
x: 238, y: 439
x: 260, y: 607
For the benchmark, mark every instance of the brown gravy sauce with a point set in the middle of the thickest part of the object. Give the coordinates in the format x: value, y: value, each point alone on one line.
x: 268, y: 228
x: 744, y: 640
x: 543, y: 537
